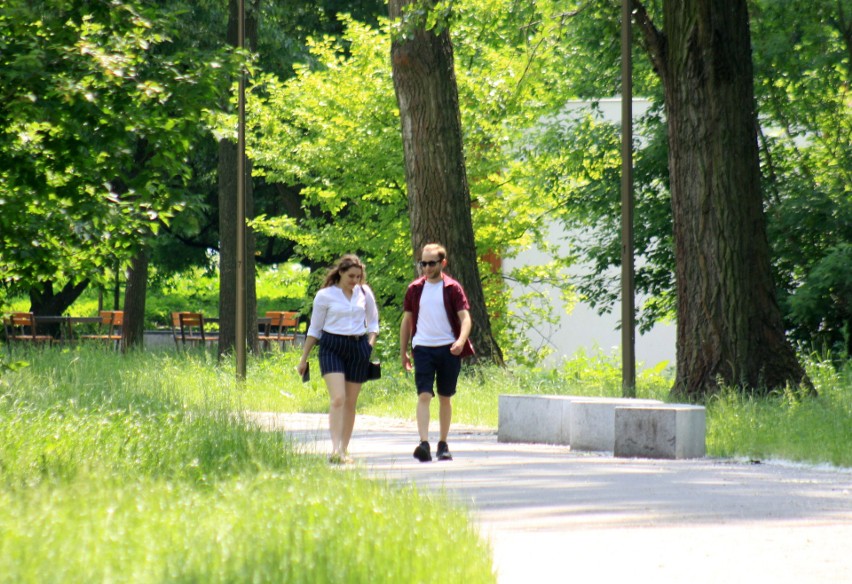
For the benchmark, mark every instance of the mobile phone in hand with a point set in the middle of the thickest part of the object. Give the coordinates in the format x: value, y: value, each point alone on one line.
x: 306, y: 376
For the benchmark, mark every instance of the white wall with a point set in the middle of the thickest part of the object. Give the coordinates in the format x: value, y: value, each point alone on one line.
x: 583, y: 328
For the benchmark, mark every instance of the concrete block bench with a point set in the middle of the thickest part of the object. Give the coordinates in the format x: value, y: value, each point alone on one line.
x: 538, y: 419
x: 660, y: 431
x: 592, y: 421
x: 550, y: 419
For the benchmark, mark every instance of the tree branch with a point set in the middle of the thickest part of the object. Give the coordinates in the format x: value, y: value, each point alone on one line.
x: 654, y: 39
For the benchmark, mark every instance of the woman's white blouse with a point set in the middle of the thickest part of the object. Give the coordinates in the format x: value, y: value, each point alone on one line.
x: 336, y: 314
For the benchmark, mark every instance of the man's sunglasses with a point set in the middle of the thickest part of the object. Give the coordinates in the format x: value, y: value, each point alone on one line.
x: 431, y: 263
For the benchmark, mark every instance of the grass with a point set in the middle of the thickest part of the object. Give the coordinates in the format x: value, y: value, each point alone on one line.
x: 141, y: 468
x: 136, y: 468
x: 787, y: 425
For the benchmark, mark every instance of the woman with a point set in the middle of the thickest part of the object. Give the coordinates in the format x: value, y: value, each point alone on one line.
x: 345, y: 324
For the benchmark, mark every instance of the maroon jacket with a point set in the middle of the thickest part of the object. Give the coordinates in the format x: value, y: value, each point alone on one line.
x: 454, y: 300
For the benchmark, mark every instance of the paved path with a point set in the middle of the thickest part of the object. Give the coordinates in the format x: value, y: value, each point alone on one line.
x: 553, y: 515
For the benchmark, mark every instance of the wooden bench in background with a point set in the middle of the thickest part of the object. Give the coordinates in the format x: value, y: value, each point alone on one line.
x: 281, y: 328
x: 109, y: 328
x: 188, y: 328
x: 20, y: 327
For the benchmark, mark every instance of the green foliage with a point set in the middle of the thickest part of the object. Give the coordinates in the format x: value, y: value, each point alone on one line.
x: 106, y: 109
x: 821, y: 307
x: 281, y: 287
x: 99, y: 114
x: 140, y: 465
x: 278, y: 288
x: 802, y: 71
x: 334, y: 129
x: 802, y: 83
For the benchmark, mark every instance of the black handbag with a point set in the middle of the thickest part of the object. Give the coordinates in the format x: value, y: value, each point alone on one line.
x: 374, y: 370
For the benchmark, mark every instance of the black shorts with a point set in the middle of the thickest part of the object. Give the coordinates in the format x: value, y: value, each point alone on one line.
x: 345, y: 354
x: 436, y: 366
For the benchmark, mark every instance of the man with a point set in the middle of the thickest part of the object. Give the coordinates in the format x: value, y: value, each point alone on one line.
x: 436, y: 319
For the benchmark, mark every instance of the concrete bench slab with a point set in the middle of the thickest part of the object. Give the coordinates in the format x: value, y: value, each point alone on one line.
x: 670, y: 431
x: 547, y: 419
x: 537, y: 419
x: 592, y: 421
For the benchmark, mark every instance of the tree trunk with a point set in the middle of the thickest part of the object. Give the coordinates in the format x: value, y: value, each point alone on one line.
x: 133, y: 329
x: 438, y: 195
x: 227, y: 213
x: 729, y: 326
x: 43, y: 302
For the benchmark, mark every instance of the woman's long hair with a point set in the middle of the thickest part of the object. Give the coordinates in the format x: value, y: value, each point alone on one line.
x: 347, y: 261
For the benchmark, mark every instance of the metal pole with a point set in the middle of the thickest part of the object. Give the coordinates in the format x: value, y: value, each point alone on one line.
x: 628, y: 325
x: 240, y: 320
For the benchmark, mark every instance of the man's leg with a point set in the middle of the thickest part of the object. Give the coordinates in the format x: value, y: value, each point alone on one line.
x: 424, y: 379
x: 424, y: 401
x: 447, y: 376
x: 446, y: 415
x: 423, y: 452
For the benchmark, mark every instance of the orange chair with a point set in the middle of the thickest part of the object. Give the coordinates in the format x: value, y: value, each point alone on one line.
x: 21, y: 327
x: 188, y: 327
x: 109, y: 329
x: 281, y: 329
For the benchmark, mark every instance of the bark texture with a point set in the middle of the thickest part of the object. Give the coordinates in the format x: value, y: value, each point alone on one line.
x: 227, y: 215
x: 438, y: 195
x: 133, y: 329
x: 729, y: 326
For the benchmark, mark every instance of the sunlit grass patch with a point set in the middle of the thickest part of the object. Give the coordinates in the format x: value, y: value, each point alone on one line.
x: 142, y: 468
x: 317, y: 526
x: 787, y: 424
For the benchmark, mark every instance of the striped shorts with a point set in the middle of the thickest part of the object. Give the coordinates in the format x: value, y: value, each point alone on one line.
x: 345, y: 354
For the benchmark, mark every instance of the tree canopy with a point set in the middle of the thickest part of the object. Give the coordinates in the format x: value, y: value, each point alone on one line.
x: 110, y: 113
x: 99, y: 114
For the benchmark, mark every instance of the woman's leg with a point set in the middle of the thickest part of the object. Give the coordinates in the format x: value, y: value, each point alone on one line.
x: 337, y: 399
x: 352, y: 391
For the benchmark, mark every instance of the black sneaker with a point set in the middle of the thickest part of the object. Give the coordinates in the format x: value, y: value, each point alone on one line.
x: 422, y: 452
x: 444, y: 451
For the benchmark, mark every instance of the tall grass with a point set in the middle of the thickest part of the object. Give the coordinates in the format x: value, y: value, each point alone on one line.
x: 787, y: 425
x: 139, y: 468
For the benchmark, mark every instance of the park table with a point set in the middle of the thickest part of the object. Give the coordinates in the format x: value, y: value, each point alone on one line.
x: 263, y: 323
x: 66, y: 324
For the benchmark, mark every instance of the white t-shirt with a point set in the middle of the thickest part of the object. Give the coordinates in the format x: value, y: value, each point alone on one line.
x: 336, y: 314
x: 433, y: 326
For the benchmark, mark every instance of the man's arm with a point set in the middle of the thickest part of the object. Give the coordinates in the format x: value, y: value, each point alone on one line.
x: 404, y: 339
x: 464, y: 333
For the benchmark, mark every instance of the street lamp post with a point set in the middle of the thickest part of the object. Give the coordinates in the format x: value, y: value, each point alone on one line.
x: 240, y: 320
x: 628, y: 338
